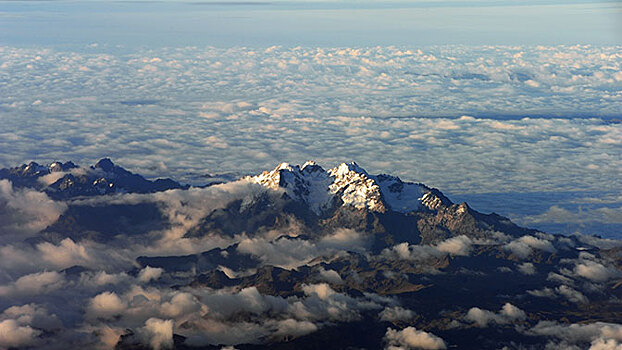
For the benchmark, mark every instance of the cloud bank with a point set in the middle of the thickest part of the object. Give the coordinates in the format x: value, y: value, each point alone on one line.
x: 326, y: 104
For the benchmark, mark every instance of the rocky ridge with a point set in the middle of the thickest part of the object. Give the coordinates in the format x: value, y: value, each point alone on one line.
x: 309, y: 258
x: 351, y: 185
x: 67, y: 180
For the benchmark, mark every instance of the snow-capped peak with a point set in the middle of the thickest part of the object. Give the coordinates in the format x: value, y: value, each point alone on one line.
x: 345, y: 168
x: 284, y: 166
x: 309, y: 164
x: 349, y: 182
x: 307, y: 184
x: 356, y: 187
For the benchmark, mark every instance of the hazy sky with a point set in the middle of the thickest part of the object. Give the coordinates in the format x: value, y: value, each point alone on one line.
x: 126, y: 25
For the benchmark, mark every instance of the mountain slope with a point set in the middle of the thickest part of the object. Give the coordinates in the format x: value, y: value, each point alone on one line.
x: 297, y: 257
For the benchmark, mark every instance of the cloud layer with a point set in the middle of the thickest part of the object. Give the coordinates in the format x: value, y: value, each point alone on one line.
x: 244, y: 110
x: 392, y: 109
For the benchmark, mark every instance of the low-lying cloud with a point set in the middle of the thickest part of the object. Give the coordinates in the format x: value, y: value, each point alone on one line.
x: 482, y: 318
x: 25, y: 212
x: 412, y: 338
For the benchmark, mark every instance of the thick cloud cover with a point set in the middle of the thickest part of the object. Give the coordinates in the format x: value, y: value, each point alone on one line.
x: 243, y: 110
x: 144, y: 109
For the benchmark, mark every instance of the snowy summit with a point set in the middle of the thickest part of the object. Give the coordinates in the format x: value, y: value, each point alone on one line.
x: 350, y: 184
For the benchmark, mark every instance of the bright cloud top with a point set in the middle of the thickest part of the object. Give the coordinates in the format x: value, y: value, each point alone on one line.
x: 392, y: 109
x: 243, y: 110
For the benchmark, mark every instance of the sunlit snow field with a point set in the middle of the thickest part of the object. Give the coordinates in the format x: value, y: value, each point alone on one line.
x: 523, y: 120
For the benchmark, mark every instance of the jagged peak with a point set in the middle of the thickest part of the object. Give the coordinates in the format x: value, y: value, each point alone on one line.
x: 345, y: 168
x: 463, y: 208
x: 60, y: 166
x: 285, y: 166
x: 352, y: 185
x: 56, y: 167
x: 311, y: 167
x: 105, y: 164
x: 309, y: 163
x: 68, y: 180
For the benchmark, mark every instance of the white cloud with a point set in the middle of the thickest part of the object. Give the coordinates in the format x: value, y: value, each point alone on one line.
x: 322, y: 290
x: 31, y: 315
x: 555, y: 277
x: 523, y: 247
x: 106, y: 305
x: 213, y: 316
x: 158, y: 333
x: 181, y: 304
x: 512, y: 312
x: 21, y: 258
x: 33, y: 284
x: 460, y: 245
x: 149, y: 273
x: 597, y: 335
x: 25, y: 212
x: 67, y: 253
x: 545, y: 292
x: 282, y: 252
x: 527, y: 268
x: 396, y: 313
x: 330, y: 276
x: 605, y: 344
x: 508, y: 314
x: 556, y: 214
x: 345, y: 239
x: 92, y: 279
x: 290, y: 114
x: 563, y: 290
x: 415, y: 252
x: 21, y: 326
x: 595, y: 271
x: 572, y: 294
x: 291, y: 327
x: 291, y: 252
x: 14, y: 335
x: 412, y: 338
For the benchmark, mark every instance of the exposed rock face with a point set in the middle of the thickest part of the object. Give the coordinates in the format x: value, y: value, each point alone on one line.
x: 348, y: 197
x: 303, y: 258
x: 348, y: 184
x: 67, y: 180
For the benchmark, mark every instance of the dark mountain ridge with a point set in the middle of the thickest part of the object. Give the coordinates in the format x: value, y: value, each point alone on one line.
x: 67, y: 180
x: 386, y: 253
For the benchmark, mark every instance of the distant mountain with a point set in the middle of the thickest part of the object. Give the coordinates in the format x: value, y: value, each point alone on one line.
x: 67, y: 180
x: 348, y: 197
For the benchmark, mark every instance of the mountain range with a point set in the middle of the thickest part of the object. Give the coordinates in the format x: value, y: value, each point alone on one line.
x: 308, y: 258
